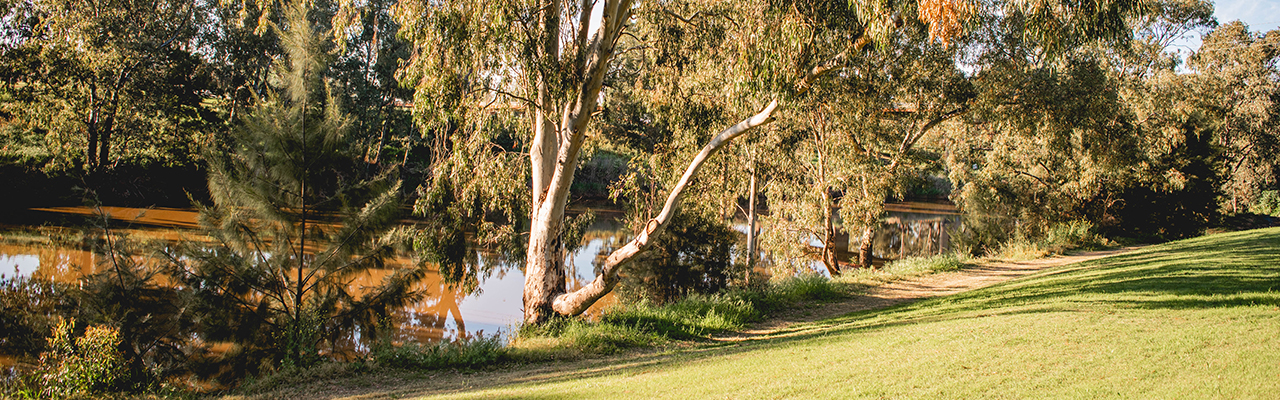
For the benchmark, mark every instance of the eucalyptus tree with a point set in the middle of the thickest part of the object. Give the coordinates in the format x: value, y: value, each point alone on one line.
x: 471, y: 55
x: 861, y: 139
x: 550, y: 60
x: 1237, y: 81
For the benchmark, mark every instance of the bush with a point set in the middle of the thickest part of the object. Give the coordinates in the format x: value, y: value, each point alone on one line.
x: 74, y: 366
x: 29, y: 310
x: 1268, y: 203
x: 1057, y: 240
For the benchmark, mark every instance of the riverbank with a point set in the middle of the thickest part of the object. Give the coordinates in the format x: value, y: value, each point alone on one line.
x: 1187, y: 319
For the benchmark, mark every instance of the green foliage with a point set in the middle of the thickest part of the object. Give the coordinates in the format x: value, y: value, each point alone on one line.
x: 572, y: 337
x: 798, y: 289
x: 691, y: 257
x: 1268, y: 203
x: 29, y: 310
x: 292, y: 225
x: 101, y: 84
x: 466, y: 353
x: 90, y: 364
x: 691, y: 317
x: 1057, y: 240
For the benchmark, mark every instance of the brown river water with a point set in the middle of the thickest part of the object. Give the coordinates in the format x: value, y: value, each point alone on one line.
x: 447, y: 312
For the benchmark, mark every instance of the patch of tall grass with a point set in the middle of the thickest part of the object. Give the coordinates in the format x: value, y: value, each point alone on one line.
x: 1059, y: 239
x: 465, y: 353
x: 694, y: 317
x: 907, y: 268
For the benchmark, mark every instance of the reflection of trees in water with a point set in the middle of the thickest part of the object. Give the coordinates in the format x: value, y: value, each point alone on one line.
x: 435, y: 316
x: 428, y: 320
x: 54, y: 261
x: 902, y: 237
x: 599, y: 240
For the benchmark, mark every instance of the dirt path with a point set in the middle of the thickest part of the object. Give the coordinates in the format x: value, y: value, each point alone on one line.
x: 983, y: 274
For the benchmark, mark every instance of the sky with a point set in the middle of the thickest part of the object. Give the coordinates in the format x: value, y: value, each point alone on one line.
x: 1260, y: 15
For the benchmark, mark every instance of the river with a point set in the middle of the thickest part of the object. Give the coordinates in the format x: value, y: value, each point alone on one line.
x: 446, y: 312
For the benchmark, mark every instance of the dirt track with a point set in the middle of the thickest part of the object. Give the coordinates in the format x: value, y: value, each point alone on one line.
x: 981, y: 275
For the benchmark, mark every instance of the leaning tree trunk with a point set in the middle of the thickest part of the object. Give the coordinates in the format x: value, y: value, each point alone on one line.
x: 576, y: 302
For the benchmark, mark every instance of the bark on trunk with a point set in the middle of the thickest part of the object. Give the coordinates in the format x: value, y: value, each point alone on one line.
x: 751, y: 227
x: 552, y: 177
x: 829, y: 233
x: 865, y: 258
x: 544, y: 266
x: 91, y: 153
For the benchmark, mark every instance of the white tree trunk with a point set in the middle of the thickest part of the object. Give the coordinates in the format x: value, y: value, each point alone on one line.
x: 576, y: 302
x: 554, y: 156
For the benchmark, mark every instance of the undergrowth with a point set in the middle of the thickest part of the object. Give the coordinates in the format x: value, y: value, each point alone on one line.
x: 695, y: 317
x: 1061, y: 238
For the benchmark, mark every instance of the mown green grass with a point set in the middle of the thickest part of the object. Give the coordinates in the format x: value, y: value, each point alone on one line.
x: 1193, y: 319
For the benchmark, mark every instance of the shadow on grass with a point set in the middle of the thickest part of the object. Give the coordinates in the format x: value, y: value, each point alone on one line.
x: 1225, y: 270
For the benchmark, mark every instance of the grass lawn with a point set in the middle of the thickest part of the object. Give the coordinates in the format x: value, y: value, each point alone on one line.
x: 1198, y: 318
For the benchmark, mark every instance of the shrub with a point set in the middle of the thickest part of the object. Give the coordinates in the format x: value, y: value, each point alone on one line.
x: 1058, y: 239
x: 74, y: 366
x: 1268, y: 203
x: 29, y: 310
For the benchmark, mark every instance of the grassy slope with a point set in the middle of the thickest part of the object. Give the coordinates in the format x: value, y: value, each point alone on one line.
x: 1192, y: 319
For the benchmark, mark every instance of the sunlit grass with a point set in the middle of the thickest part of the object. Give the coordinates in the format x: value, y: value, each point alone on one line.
x: 1190, y: 319
x: 905, y: 269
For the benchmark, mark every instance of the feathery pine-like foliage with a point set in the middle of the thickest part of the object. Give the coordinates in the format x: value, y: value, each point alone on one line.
x: 292, y: 228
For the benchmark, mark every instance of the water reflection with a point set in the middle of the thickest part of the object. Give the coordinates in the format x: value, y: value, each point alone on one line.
x: 908, y: 229
x: 491, y: 304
